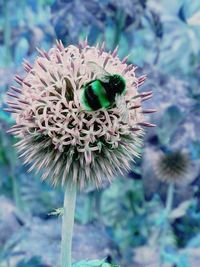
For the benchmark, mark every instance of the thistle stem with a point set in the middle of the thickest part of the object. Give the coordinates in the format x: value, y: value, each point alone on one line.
x: 67, y: 226
x: 168, y: 208
x: 170, y: 196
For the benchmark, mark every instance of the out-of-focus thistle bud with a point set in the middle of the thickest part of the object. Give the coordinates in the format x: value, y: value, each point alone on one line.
x: 58, y: 137
x: 172, y: 166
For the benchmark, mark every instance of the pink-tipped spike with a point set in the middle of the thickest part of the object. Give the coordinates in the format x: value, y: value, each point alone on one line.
x: 58, y: 45
x: 85, y: 42
x: 80, y: 45
x: 27, y: 66
x: 27, y: 63
x: 103, y: 45
x: 40, y: 52
x: 61, y: 46
x: 15, y: 107
x: 43, y: 53
x: 142, y: 79
x: 42, y: 65
x: 23, y: 102
x: 146, y: 98
x: 134, y: 129
x: 105, y: 61
x: 27, y: 69
x: 128, y: 68
x: 58, y: 58
x: 43, y: 81
x: 18, y: 126
x: 18, y: 79
x: 114, y: 53
x: 10, y: 103
x: 10, y: 110
x: 124, y: 60
x: 27, y: 83
x: 102, y: 48
x: 145, y: 94
x: 46, y: 55
x: 12, y: 95
x: 147, y: 111
x: 97, y: 46
x: 146, y: 124
x: 135, y: 107
x: 17, y: 90
x: 13, y: 131
x: 52, y: 75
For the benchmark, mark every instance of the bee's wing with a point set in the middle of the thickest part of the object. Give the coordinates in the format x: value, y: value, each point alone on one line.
x: 100, y: 73
x: 121, y: 105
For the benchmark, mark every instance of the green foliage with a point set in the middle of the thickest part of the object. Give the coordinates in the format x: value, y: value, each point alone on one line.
x: 94, y: 263
x: 169, y: 123
x: 33, y: 262
x: 123, y: 212
x: 194, y: 149
x: 186, y: 228
x: 6, y: 251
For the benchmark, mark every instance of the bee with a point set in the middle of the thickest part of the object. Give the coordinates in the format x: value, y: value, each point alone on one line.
x: 103, y: 91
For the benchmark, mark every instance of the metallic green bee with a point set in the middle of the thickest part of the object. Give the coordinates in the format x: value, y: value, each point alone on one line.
x: 104, y: 91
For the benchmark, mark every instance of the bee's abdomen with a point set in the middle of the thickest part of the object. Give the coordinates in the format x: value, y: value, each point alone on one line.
x: 109, y: 93
x: 95, y: 95
x: 91, y: 98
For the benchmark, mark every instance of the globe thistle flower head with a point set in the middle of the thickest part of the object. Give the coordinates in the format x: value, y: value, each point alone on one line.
x: 67, y: 143
x: 172, y: 166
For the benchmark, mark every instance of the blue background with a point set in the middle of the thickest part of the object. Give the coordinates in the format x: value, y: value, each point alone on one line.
x: 124, y: 221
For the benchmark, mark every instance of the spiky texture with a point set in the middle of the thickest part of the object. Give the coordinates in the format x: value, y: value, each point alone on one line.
x: 60, y: 138
x: 172, y: 167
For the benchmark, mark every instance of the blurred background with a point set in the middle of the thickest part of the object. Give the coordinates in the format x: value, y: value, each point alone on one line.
x: 141, y: 220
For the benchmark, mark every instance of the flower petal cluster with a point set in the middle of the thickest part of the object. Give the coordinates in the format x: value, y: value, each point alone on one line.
x: 58, y: 137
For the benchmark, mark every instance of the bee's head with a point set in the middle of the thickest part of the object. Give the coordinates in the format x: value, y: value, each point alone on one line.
x: 117, y: 83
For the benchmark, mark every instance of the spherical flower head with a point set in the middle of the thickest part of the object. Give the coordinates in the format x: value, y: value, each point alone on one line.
x: 67, y: 143
x: 172, y: 166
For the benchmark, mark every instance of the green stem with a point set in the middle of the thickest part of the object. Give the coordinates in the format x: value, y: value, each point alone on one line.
x: 170, y: 197
x: 168, y: 208
x: 67, y: 226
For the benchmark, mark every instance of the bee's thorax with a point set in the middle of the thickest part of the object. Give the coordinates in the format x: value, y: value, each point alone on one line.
x: 117, y: 84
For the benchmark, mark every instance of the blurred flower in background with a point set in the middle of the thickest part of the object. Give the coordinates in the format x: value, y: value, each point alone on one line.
x: 172, y: 166
x: 162, y: 38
